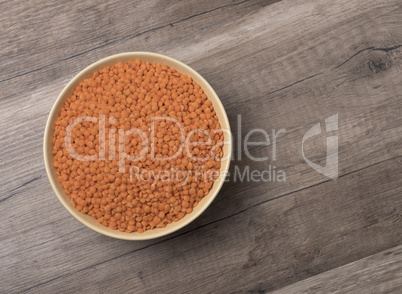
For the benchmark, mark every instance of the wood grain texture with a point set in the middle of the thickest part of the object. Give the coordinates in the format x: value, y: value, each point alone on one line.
x: 254, y: 251
x: 280, y: 65
x: 379, y: 273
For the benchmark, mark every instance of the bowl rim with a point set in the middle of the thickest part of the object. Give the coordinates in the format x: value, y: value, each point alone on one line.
x: 47, y: 152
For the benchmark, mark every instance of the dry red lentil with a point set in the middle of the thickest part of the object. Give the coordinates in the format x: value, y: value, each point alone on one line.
x: 129, y: 95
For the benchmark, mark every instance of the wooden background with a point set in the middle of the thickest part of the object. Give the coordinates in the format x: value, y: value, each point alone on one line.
x: 280, y: 65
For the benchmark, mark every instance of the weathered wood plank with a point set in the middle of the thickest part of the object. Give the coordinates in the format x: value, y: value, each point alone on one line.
x: 260, y: 249
x: 45, y: 41
x: 289, y: 65
x: 378, y: 273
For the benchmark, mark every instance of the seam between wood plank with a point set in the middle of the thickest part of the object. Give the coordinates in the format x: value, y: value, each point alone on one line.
x: 8, y: 197
x: 20, y: 186
x: 368, y: 49
x: 26, y: 183
x: 387, y: 49
x: 288, y: 86
x: 123, y: 39
x: 207, y: 224
x: 335, y: 269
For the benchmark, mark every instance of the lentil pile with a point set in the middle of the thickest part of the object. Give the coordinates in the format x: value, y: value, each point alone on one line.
x: 128, y: 96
